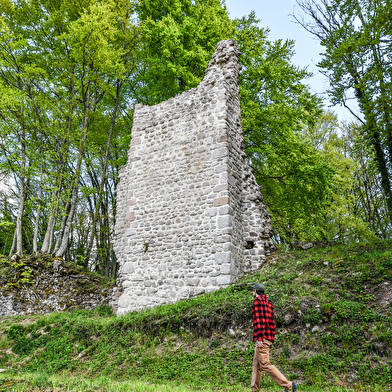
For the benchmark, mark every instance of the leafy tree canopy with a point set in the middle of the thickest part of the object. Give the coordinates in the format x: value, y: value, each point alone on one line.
x: 276, y: 106
x: 178, y: 39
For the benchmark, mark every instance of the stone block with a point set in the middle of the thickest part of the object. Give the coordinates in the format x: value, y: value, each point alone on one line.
x: 226, y: 210
x: 221, y: 168
x: 131, y: 202
x: 225, y: 221
x: 220, y: 201
x: 184, y: 292
x: 130, y: 216
x: 229, y: 247
x: 223, y: 178
x: 226, y: 269
x: 223, y: 280
x: 128, y: 268
x: 221, y: 187
x: 136, y: 141
x: 192, y: 281
x: 211, y: 212
x: 130, y: 232
x: 223, y: 258
x: 220, y: 239
x: 127, y: 283
x: 123, y: 301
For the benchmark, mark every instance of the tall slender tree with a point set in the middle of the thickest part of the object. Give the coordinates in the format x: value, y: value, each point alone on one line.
x: 356, y: 35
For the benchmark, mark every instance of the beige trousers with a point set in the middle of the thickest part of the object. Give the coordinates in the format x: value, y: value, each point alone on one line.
x: 261, y: 363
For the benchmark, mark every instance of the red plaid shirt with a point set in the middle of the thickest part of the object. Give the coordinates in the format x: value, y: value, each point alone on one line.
x: 263, y: 319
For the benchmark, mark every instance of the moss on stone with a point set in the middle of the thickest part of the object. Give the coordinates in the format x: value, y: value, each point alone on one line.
x: 31, y: 280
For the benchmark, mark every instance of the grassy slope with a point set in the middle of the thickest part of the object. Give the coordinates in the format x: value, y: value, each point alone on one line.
x: 333, y: 317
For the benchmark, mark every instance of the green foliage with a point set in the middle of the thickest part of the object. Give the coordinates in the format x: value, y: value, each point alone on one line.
x: 276, y: 106
x: 16, y: 273
x: 178, y: 39
x: 103, y: 310
x: 23, y: 346
x: 348, y: 309
x: 71, y: 61
x: 356, y: 37
x: 312, y: 316
x: 15, y: 331
x: 41, y: 380
x: 342, y: 220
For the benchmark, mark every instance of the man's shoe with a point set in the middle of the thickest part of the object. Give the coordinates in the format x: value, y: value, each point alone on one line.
x: 293, y: 387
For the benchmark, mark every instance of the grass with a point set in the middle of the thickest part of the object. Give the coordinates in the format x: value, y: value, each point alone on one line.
x: 66, y: 382
x: 333, y: 331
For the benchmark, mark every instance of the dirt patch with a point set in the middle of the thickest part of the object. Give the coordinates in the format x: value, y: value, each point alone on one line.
x: 383, y: 293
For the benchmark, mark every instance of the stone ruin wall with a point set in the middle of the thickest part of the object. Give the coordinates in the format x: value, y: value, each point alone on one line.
x: 188, y: 206
x: 56, y: 287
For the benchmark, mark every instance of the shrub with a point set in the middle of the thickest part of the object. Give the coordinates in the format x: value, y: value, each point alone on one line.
x: 15, y: 331
x: 24, y: 346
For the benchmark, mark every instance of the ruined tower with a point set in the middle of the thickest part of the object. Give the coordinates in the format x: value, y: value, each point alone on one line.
x: 190, y: 216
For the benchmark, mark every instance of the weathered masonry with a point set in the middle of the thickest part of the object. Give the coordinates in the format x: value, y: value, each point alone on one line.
x: 190, y: 216
x: 54, y: 286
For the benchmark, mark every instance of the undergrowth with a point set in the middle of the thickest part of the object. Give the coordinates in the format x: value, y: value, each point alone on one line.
x: 333, y: 314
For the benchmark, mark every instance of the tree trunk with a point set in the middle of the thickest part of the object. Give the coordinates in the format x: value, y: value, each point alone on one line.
x: 22, y: 198
x: 13, y: 246
x: 23, y: 191
x: 62, y: 227
x: 75, y: 189
x: 104, y: 173
x: 36, y: 225
x: 36, y: 230
x: 63, y: 240
x: 47, y: 243
x: 375, y: 140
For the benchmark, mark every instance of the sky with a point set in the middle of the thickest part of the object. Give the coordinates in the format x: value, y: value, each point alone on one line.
x: 277, y: 15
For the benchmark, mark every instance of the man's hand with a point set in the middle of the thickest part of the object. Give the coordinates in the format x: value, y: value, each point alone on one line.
x: 260, y: 344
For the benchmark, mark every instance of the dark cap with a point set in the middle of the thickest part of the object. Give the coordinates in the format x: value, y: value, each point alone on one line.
x: 258, y: 287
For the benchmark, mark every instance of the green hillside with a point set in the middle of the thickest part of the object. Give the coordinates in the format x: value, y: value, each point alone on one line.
x: 333, y: 313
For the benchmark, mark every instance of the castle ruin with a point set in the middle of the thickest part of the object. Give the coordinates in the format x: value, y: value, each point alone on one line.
x: 190, y: 215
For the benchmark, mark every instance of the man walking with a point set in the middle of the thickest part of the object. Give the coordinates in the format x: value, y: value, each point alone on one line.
x: 264, y: 335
